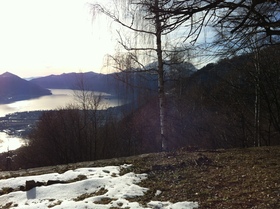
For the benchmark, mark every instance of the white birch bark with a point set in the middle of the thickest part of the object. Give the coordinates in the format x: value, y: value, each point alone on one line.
x: 161, y: 93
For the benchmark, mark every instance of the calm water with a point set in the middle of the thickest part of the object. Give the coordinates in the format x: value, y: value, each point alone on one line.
x: 60, y: 98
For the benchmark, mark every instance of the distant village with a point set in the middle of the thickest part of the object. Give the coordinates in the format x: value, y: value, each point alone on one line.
x: 19, y: 123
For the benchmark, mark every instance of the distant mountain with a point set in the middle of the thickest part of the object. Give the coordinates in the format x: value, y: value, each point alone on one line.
x: 14, y: 88
x: 78, y: 81
x: 116, y: 83
x: 184, y: 69
x: 120, y: 84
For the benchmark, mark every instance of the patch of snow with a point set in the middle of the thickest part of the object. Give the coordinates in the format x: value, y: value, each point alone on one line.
x: 103, y: 187
x: 169, y: 205
x: 158, y: 192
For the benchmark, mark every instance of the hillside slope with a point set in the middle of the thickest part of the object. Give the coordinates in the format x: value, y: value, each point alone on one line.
x: 14, y: 88
x: 236, y: 178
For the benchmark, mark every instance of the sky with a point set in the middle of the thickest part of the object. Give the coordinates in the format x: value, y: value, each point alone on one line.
x: 43, y: 37
x: 102, y: 187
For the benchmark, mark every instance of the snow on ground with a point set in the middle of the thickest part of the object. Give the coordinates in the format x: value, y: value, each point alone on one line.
x: 96, y: 187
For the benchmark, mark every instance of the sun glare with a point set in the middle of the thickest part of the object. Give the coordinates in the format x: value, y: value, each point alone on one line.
x: 9, y: 143
x: 38, y: 37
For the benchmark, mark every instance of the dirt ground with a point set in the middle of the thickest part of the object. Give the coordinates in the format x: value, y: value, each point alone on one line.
x: 235, y: 178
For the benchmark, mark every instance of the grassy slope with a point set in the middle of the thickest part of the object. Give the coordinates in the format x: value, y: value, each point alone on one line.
x: 236, y: 178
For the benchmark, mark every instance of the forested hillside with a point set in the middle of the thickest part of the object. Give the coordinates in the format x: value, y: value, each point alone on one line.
x: 213, y: 108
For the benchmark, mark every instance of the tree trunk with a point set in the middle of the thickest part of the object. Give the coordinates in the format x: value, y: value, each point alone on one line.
x: 161, y: 93
x: 257, y: 100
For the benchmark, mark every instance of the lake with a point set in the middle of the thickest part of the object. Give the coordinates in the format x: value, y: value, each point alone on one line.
x: 59, y: 98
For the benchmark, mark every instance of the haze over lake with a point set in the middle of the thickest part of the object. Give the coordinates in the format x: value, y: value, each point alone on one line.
x: 59, y: 98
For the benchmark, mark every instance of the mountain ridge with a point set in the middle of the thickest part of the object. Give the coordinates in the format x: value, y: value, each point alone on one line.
x: 76, y: 81
x: 13, y: 88
x: 116, y: 83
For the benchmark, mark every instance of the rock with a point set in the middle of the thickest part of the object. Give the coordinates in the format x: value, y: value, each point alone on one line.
x: 51, y: 182
x: 38, y: 183
x: 30, y: 185
x: 203, y: 160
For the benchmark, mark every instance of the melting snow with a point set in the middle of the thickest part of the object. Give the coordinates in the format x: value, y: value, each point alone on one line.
x: 103, y: 187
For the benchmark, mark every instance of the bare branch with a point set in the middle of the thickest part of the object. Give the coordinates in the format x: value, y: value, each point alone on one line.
x: 99, y: 8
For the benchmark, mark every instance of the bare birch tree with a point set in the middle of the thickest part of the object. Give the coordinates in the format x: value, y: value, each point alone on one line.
x: 152, y: 27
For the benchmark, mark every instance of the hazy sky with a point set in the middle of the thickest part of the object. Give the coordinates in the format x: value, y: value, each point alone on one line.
x: 42, y: 37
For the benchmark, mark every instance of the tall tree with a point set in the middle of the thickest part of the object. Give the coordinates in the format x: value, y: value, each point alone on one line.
x: 156, y: 26
x: 247, y: 27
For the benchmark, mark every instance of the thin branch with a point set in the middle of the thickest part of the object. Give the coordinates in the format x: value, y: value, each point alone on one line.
x: 99, y: 8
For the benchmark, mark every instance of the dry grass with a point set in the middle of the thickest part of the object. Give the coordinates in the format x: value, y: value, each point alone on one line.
x: 236, y: 178
x: 239, y: 178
